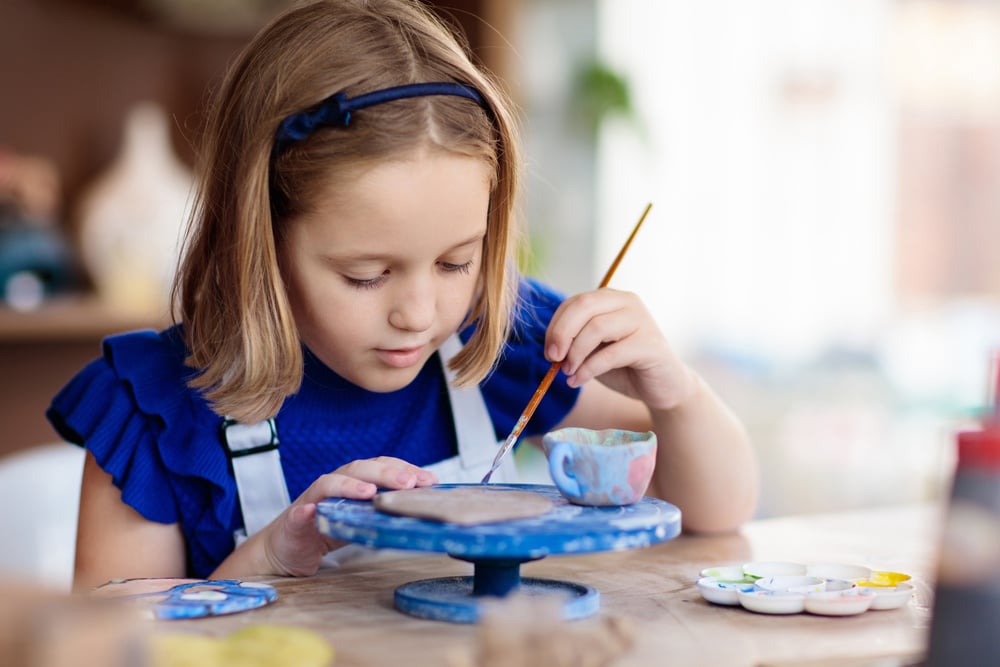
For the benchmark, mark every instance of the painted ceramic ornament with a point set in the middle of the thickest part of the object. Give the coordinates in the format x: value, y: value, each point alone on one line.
x: 170, y: 599
x: 610, y: 467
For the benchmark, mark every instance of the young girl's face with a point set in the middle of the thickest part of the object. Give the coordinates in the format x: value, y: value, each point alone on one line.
x: 385, y: 266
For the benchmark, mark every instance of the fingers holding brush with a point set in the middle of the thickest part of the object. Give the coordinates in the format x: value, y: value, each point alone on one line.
x: 610, y: 335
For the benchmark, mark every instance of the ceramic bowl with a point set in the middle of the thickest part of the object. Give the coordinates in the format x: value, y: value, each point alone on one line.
x: 890, y: 598
x: 760, y: 569
x: 791, y: 584
x: 884, y: 579
x: 719, y: 591
x: 839, y: 571
x: 771, y: 602
x: 726, y: 573
x: 839, y: 585
x: 839, y: 603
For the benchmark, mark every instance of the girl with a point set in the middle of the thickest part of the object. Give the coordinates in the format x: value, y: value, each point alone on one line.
x: 348, y: 300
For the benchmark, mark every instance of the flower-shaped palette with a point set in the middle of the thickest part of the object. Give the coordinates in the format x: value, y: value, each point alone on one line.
x: 827, y: 589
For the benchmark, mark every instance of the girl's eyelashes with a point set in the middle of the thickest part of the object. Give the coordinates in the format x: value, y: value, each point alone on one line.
x: 366, y: 283
x: 372, y: 283
x: 456, y: 268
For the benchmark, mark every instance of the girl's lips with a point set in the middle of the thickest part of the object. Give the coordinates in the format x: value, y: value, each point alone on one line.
x: 401, y: 358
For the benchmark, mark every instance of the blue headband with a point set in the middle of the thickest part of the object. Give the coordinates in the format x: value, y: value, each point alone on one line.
x: 336, y: 109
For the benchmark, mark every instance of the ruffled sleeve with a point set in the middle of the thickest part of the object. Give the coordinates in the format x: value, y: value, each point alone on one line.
x: 523, y: 365
x: 155, y: 436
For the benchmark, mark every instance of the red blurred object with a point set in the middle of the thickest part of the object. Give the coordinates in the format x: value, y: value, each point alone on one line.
x: 980, y: 449
x: 993, y: 391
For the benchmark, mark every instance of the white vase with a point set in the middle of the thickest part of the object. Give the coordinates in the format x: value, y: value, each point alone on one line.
x: 133, y: 215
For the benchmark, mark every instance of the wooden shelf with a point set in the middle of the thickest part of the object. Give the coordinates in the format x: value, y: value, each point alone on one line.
x: 40, y: 350
x: 66, y: 319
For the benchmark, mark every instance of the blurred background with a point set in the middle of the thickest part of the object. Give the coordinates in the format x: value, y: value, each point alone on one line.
x: 825, y: 179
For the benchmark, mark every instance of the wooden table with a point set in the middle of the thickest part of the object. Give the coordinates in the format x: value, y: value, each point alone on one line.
x: 652, y: 589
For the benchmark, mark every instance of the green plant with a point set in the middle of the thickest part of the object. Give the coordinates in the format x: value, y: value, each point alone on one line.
x: 600, y: 92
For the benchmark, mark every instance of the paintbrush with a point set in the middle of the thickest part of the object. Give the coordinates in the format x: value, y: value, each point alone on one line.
x: 543, y: 386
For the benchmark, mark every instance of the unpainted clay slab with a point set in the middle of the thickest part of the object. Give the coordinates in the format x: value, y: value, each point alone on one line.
x: 464, y: 506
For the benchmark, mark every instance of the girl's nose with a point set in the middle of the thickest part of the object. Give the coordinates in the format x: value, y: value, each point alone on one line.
x: 414, y: 308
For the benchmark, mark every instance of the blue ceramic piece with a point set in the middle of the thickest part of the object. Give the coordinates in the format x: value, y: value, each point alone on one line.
x: 600, y: 467
x: 454, y: 599
x: 567, y: 529
x: 497, y: 550
x: 199, y: 599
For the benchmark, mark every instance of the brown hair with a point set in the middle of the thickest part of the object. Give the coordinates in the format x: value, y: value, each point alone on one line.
x: 229, y: 292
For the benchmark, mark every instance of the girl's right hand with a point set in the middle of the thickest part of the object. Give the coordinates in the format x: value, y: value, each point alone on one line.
x: 292, y: 545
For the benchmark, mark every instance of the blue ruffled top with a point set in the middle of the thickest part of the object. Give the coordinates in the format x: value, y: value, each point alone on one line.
x: 161, y: 443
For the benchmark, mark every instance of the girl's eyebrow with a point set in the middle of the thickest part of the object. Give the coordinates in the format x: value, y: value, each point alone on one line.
x: 372, y: 257
x: 475, y: 238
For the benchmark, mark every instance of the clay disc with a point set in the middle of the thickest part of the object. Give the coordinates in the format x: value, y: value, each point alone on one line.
x: 465, y: 506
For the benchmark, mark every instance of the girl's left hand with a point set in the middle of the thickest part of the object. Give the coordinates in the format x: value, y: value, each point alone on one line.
x: 292, y: 545
x: 610, y: 335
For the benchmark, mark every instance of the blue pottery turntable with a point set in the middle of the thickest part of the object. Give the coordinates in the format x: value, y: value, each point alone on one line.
x: 497, y: 550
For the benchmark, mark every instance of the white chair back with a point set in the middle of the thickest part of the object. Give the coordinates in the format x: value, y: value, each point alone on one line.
x: 39, y: 502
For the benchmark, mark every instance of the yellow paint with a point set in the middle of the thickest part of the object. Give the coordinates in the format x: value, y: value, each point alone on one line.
x: 882, y: 579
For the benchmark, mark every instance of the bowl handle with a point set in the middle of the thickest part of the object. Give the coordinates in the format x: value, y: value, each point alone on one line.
x: 559, y: 455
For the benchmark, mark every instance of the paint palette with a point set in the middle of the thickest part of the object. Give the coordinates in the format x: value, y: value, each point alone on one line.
x: 826, y: 589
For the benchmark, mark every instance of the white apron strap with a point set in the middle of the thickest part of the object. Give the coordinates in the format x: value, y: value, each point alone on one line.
x: 477, y: 440
x: 477, y: 445
x: 260, y: 480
